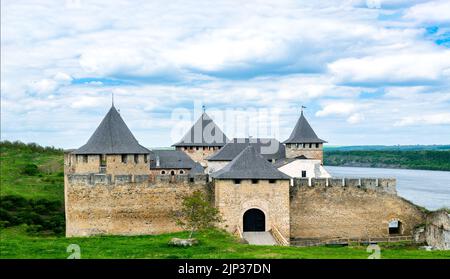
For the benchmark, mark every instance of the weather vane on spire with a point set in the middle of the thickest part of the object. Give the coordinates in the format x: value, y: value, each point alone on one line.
x: 303, y: 107
x: 112, y: 98
x: 204, y: 108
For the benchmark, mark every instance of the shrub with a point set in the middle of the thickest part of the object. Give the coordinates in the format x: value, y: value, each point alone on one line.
x: 34, y: 229
x: 30, y: 169
x: 4, y: 224
x: 197, y: 213
x: 41, y: 215
x: 52, y: 166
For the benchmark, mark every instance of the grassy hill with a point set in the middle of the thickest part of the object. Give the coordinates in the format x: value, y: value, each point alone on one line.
x: 423, y: 159
x: 32, y: 222
x: 31, y: 171
x: 32, y: 188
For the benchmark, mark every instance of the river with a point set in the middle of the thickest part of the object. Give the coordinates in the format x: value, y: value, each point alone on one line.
x: 430, y: 189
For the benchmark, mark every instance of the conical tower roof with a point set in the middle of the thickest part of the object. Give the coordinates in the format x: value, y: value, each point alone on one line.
x: 249, y: 164
x: 303, y: 133
x: 112, y: 136
x: 203, y: 133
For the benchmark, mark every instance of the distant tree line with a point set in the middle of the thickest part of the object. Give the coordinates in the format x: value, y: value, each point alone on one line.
x: 30, y: 147
x: 424, y: 159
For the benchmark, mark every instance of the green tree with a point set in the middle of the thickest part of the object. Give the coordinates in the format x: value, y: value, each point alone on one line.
x: 197, y: 213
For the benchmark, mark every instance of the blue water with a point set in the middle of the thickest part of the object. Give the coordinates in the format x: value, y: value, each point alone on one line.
x: 430, y: 189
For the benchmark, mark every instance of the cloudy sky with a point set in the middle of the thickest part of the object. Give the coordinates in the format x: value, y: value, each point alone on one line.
x: 369, y: 72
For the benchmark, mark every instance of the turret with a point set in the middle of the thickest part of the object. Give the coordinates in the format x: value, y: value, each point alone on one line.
x: 112, y: 149
x: 203, y: 139
x: 304, y: 141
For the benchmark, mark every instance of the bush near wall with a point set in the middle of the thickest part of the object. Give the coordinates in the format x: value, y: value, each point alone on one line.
x: 41, y: 215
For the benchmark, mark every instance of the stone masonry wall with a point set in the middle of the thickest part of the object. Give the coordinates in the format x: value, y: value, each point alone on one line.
x: 310, y: 153
x: 437, y: 230
x: 97, y: 204
x: 321, y: 211
x: 132, y: 204
x: 114, y: 165
x: 233, y: 200
x: 200, y: 154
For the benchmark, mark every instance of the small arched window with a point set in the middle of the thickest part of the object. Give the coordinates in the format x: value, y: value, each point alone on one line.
x: 181, y: 171
x: 163, y: 172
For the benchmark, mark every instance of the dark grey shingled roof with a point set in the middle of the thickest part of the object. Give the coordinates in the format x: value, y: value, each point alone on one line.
x: 268, y: 148
x: 285, y: 161
x: 303, y: 133
x: 171, y: 159
x: 195, y: 136
x: 249, y: 164
x: 197, y: 169
x: 112, y: 136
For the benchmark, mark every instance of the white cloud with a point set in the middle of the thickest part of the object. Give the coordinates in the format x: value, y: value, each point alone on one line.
x: 128, y: 61
x: 355, y: 118
x: 337, y: 108
x: 163, y: 55
x: 351, y: 111
x: 428, y: 119
x: 87, y: 102
x: 50, y: 85
x: 430, y: 12
x: 393, y: 68
x: 44, y: 86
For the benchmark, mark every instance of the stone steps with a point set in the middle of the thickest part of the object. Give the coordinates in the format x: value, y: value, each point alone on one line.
x: 259, y: 238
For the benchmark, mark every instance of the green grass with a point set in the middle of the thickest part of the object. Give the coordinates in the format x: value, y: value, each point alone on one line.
x: 14, y: 156
x: 213, y: 244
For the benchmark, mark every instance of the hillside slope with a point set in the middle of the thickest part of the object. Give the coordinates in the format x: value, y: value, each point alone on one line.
x: 31, y: 171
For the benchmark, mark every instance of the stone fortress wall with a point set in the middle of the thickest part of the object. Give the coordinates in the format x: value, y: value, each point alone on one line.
x: 143, y: 204
x: 126, y: 204
x: 349, y: 208
x: 114, y: 165
x: 199, y: 153
x: 313, y: 152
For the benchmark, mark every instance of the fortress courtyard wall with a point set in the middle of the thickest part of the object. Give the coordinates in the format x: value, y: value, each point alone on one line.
x: 349, y: 208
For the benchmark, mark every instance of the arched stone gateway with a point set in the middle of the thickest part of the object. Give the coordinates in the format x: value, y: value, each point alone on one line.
x: 254, y: 220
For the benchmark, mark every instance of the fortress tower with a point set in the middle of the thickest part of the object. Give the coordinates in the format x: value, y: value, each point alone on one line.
x: 304, y: 141
x: 112, y: 149
x: 203, y: 139
x: 252, y: 194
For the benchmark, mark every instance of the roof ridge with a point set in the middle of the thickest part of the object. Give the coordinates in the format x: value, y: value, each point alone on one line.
x: 249, y: 164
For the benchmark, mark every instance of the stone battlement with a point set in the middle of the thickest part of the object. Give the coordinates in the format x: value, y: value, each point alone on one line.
x: 94, y: 179
x: 387, y: 185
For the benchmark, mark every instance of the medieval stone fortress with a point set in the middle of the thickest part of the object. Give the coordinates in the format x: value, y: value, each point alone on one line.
x: 280, y: 190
